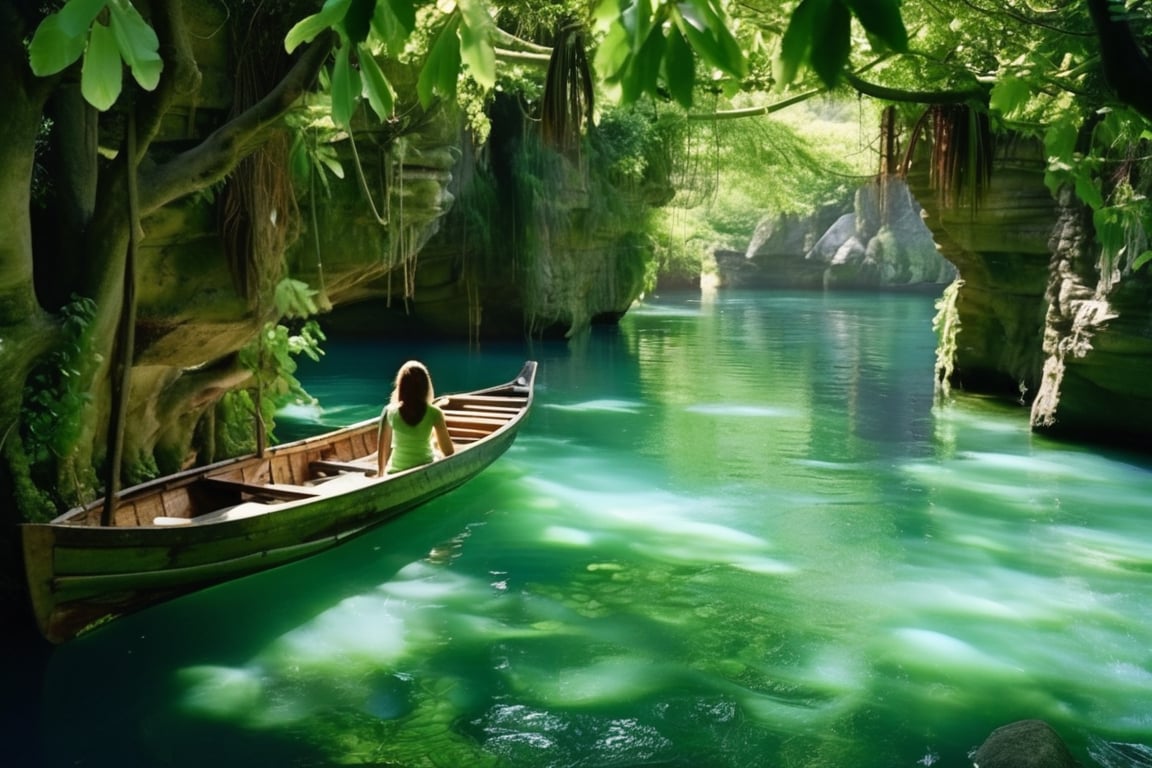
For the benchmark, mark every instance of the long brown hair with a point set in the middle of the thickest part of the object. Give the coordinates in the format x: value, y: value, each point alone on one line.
x: 413, y: 391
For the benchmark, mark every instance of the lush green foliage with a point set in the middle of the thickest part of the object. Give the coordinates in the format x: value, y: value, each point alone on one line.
x: 52, y: 400
x: 1033, y: 68
x: 819, y: 34
x: 52, y: 410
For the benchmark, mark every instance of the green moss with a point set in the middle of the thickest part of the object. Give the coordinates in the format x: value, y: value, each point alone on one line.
x: 946, y: 324
x: 234, y: 433
x: 141, y: 470
x: 35, y: 504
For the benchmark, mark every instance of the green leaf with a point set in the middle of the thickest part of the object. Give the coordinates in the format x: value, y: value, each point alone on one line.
x: 52, y: 49
x: 613, y: 53
x: 391, y: 28
x: 101, y: 78
x: 306, y: 30
x: 345, y: 88
x: 636, y: 18
x: 1109, y: 233
x: 77, y: 15
x: 1060, y: 140
x: 1009, y: 95
x: 645, y: 68
x: 832, y: 43
x: 300, y: 158
x: 680, y: 68
x: 328, y: 158
x: 376, y: 87
x: 710, y: 19
x: 293, y: 298
x: 882, y: 19
x: 1087, y: 191
x: 710, y: 38
x: 1141, y: 260
x: 405, y: 13
x: 441, y: 68
x: 797, y: 40
x: 138, y: 44
x: 476, y: 49
x: 606, y: 14
x: 358, y: 20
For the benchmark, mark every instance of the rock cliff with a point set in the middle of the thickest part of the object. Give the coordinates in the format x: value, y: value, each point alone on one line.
x: 536, y: 242
x: 880, y: 241
x: 1039, y: 320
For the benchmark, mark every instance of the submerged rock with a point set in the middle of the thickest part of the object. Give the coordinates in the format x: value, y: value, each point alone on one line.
x: 1024, y: 744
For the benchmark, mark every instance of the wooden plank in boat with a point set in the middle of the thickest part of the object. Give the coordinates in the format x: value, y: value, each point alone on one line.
x: 500, y: 416
x: 488, y: 399
x: 327, y: 465
x: 511, y: 410
x: 460, y: 433
x: 463, y: 419
x: 261, y: 489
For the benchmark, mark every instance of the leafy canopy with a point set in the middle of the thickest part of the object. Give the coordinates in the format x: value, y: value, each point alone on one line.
x: 1034, y: 67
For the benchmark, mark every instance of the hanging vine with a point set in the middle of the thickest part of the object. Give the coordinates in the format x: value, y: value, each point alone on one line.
x: 259, y: 216
x: 568, y: 100
x: 962, y: 145
x: 962, y: 149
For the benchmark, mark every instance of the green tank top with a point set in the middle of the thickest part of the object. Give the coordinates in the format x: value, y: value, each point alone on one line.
x: 411, y: 445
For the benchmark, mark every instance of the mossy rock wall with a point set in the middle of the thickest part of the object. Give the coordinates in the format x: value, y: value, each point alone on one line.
x: 1000, y: 250
x: 1039, y: 322
x: 534, y: 243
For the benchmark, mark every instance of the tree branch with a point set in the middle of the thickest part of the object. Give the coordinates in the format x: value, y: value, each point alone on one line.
x: 509, y: 40
x: 976, y: 93
x: 523, y: 57
x: 216, y: 156
x: 181, y: 75
x: 767, y: 109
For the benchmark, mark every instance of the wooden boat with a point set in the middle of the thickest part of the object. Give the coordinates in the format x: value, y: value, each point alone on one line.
x: 184, y: 532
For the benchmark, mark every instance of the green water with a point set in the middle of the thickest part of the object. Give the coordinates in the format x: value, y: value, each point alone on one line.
x: 736, y: 531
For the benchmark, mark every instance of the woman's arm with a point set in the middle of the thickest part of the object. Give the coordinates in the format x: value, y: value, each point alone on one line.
x: 443, y: 439
x: 383, y: 444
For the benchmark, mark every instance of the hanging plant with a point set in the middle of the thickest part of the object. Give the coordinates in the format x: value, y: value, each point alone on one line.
x: 962, y: 147
x: 568, y: 98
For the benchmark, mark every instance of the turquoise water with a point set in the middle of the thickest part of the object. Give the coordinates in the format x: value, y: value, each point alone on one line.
x: 736, y: 531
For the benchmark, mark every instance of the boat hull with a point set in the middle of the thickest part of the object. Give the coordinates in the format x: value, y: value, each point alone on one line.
x: 82, y: 575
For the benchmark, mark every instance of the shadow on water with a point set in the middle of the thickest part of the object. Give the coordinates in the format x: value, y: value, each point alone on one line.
x: 27, y: 657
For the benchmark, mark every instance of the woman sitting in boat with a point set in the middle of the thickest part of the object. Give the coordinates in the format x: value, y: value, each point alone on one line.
x: 408, y: 421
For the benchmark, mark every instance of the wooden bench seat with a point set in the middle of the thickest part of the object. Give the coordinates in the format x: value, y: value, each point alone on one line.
x: 329, y: 465
x: 273, y: 490
x: 469, y: 418
x: 488, y: 399
x: 495, y: 410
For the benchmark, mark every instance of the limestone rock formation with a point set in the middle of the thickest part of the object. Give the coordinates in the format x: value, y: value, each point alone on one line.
x: 1097, y: 341
x: 1039, y: 320
x: 776, y: 254
x: 881, y: 242
x: 1000, y: 250
x: 535, y: 242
